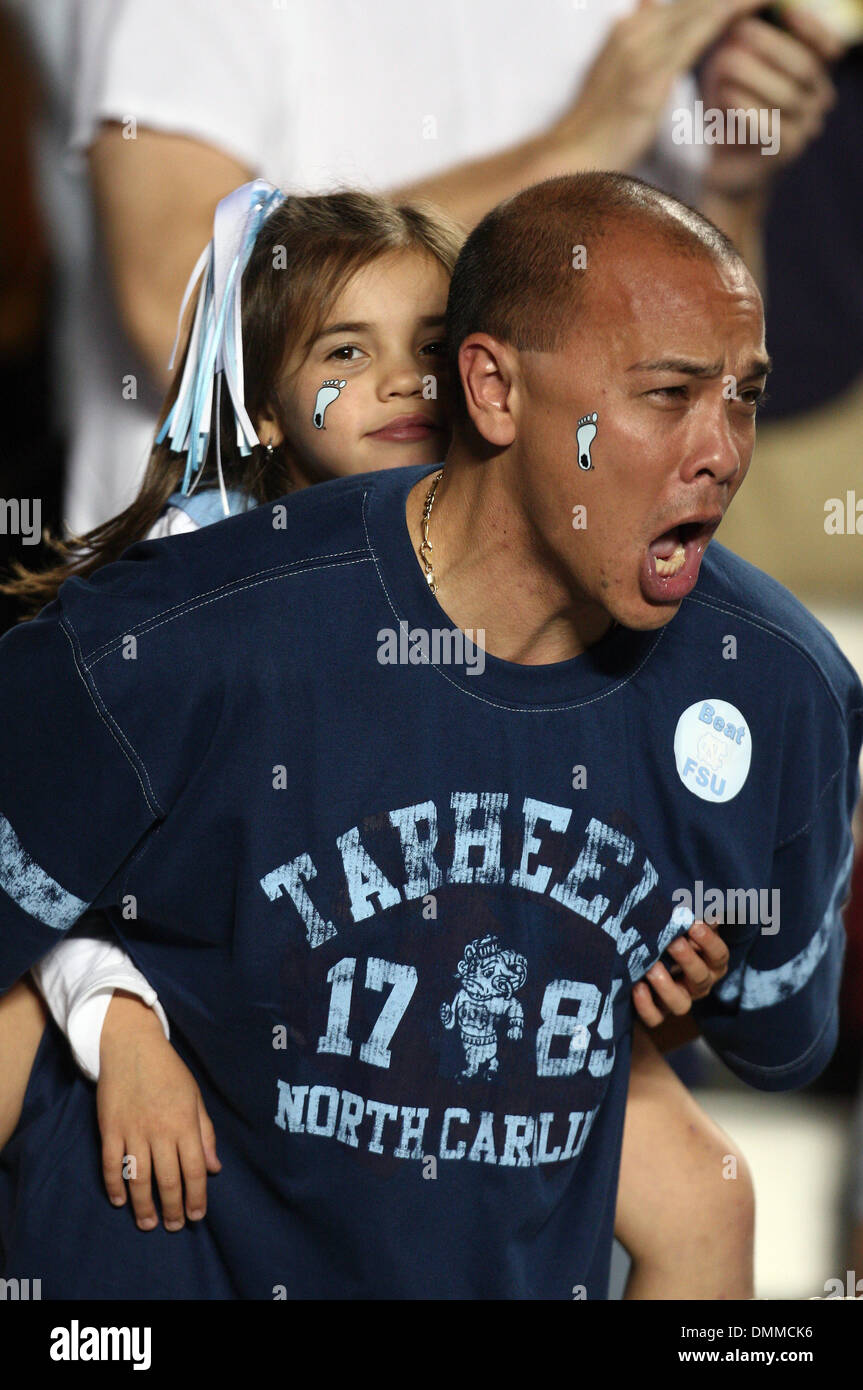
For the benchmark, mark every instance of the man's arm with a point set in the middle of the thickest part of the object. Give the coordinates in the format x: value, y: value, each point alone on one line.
x: 76, y: 798
x: 95, y: 747
x: 774, y: 1019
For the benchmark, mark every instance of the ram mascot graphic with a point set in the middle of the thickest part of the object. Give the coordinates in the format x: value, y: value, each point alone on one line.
x: 490, y: 978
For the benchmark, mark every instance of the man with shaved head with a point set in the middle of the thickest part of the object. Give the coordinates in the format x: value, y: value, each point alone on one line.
x: 397, y: 901
x: 660, y: 337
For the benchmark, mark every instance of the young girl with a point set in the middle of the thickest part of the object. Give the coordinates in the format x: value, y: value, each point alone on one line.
x: 337, y: 290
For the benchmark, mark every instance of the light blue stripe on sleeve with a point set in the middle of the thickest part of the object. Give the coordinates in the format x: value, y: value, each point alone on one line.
x: 759, y: 989
x: 35, y: 891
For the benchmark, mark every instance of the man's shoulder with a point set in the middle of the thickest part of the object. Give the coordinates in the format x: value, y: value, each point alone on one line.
x: 298, y: 528
x: 750, y: 605
x: 174, y: 581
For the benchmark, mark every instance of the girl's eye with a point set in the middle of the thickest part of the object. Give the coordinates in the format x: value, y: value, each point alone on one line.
x: 340, y: 353
x: 436, y: 349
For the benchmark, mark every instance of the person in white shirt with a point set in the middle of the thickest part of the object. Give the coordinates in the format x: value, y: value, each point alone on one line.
x: 176, y: 103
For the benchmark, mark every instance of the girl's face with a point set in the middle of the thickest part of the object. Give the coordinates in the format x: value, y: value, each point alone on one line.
x: 366, y: 396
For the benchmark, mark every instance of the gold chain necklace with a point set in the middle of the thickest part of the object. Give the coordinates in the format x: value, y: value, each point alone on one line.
x: 425, y: 544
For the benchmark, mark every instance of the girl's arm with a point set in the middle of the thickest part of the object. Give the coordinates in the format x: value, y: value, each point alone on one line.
x: 77, y: 980
x: 22, y: 1019
x: 151, y: 1115
x: 152, y: 1119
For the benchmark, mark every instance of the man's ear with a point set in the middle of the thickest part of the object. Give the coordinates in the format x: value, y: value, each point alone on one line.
x: 488, y: 377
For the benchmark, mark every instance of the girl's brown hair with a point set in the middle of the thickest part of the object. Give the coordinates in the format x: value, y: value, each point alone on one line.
x: 305, y: 253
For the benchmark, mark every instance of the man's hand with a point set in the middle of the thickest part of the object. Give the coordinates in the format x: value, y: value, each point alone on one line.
x: 151, y: 1110
x: 758, y: 67
x: 701, y: 959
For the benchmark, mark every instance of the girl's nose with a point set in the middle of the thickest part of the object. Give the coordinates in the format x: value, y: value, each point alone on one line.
x: 401, y: 379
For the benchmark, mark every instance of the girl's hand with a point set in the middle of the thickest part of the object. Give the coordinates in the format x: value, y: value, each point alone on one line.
x: 701, y: 959
x: 152, y: 1119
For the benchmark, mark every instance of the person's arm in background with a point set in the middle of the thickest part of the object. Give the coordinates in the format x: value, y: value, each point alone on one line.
x: 155, y: 195
x: 611, y: 124
x: 688, y: 1232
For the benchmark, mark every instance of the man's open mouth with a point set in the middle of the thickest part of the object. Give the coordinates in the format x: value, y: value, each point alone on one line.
x: 672, y: 561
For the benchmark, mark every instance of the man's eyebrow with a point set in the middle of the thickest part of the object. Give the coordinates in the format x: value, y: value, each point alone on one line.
x: 760, y: 366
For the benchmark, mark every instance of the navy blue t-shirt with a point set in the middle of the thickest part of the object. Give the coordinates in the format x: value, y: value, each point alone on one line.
x: 394, y: 893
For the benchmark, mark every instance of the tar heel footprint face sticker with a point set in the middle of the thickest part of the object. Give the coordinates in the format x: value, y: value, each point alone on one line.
x: 329, y: 391
x: 713, y: 750
x: 585, y: 435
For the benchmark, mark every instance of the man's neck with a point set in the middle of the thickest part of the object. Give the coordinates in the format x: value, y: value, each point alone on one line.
x: 493, y: 571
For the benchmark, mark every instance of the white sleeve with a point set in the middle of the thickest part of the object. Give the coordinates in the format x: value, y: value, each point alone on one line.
x: 206, y: 69
x: 677, y: 169
x: 77, y: 979
x: 172, y: 522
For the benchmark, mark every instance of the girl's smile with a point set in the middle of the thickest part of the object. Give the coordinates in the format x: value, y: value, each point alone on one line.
x: 406, y: 429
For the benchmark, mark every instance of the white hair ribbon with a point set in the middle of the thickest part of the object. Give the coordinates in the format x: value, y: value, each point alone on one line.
x: 216, y: 339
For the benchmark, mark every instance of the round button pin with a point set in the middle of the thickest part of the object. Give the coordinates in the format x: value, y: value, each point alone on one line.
x: 712, y: 749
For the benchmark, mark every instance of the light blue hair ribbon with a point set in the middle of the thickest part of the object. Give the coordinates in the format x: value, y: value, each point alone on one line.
x: 216, y: 340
